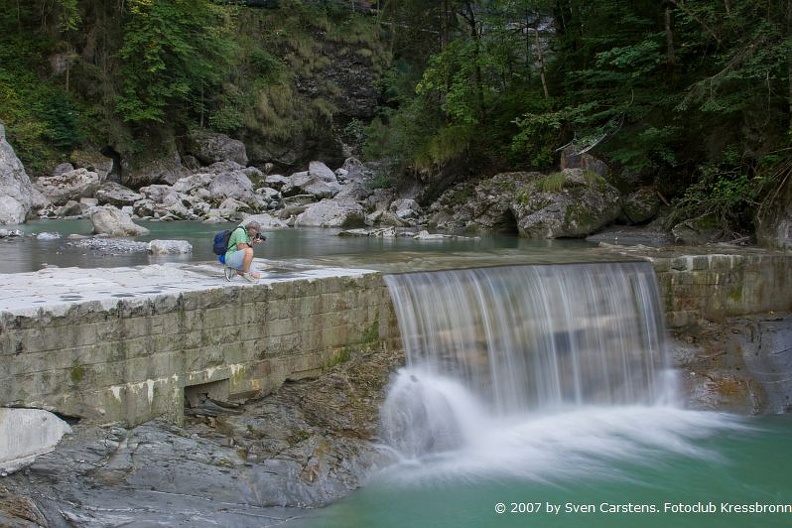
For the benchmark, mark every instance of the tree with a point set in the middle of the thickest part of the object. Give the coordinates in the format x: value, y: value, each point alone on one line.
x: 174, y: 51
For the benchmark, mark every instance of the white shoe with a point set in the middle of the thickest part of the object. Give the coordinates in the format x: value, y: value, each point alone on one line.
x: 229, y: 273
x: 248, y: 277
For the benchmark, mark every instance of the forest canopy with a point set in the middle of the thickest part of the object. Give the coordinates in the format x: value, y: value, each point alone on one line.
x: 690, y: 97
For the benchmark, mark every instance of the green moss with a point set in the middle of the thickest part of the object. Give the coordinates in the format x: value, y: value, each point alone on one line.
x: 342, y: 356
x: 371, y: 335
x: 77, y: 374
x: 552, y: 183
x: 736, y: 293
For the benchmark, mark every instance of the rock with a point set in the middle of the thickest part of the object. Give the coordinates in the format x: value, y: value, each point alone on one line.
x: 71, y: 185
x: 331, y: 213
x: 267, y: 221
x: 640, y: 206
x: 62, y: 168
x: 169, y: 247
x: 307, y: 183
x: 192, y: 183
x: 585, y: 204
x: 235, y: 185
x: 71, y: 209
x: 697, y: 231
x: 26, y: 434
x: 162, y: 167
x: 276, y: 181
x: 18, y: 196
x: 93, y: 161
x: 570, y: 203
x: 12, y: 211
x: 322, y: 171
x: 210, y: 147
x: 108, y: 220
x: 116, y: 194
x: 405, y: 209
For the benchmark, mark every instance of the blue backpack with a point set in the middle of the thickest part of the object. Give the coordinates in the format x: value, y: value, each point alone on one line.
x: 220, y: 245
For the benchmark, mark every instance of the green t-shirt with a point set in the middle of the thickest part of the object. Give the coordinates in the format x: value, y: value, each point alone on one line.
x: 239, y: 234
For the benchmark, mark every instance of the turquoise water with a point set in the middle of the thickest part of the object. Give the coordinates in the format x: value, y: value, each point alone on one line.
x: 19, y: 255
x: 606, y: 442
x: 589, y: 469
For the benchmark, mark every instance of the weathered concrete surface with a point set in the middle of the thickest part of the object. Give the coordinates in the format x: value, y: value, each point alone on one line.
x: 714, y: 283
x: 125, y: 344
x: 128, y: 344
x: 26, y: 434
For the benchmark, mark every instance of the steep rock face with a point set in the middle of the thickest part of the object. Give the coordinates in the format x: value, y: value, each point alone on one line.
x: 571, y: 203
x: 336, y: 85
x: 18, y: 195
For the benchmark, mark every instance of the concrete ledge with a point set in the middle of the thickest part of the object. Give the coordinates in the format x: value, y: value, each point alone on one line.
x: 122, y: 344
x: 125, y: 344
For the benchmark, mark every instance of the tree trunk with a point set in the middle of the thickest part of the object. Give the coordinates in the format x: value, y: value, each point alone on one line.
x: 540, y: 55
x: 671, y: 54
x: 470, y: 17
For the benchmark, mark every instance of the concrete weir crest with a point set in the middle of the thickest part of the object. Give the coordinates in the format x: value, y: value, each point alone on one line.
x: 130, y: 344
x: 127, y: 344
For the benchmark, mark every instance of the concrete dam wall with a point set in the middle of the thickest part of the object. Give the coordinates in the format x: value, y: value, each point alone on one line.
x: 137, y: 352
x: 128, y: 345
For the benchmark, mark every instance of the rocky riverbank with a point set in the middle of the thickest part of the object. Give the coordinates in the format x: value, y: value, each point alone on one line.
x: 255, y: 463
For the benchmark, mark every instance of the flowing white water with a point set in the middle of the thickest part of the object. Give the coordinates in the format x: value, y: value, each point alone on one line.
x: 536, y: 372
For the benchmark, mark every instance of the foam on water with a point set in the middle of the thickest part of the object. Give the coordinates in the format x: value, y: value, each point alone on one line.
x: 442, y: 432
x: 542, y: 373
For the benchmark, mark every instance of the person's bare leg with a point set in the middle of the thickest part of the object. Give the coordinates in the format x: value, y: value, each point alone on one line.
x: 246, y: 262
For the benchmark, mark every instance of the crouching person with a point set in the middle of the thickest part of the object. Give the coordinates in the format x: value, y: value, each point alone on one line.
x: 239, y: 257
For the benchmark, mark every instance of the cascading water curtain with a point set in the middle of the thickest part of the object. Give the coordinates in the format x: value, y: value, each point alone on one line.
x: 525, y: 338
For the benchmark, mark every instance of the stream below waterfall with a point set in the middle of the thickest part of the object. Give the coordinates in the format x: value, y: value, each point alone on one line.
x: 624, y: 466
x: 543, y: 396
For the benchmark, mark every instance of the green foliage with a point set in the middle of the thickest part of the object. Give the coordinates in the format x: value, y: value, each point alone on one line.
x: 59, y: 114
x: 538, y: 134
x: 173, y: 52
x: 552, y: 183
x: 724, y: 192
x: 69, y: 15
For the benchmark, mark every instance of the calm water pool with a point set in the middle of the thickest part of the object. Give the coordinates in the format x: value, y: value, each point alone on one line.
x: 19, y: 255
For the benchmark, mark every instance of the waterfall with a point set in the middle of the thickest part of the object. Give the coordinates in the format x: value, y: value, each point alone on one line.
x: 499, y: 342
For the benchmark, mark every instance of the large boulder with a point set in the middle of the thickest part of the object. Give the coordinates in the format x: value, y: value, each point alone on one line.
x: 70, y: 185
x: 210, y: 147
x: 312, y: 183
x: 116, y: 194
x: 640, y: 206
x: 583, y: 204
x: 568, y: 204
x: 161, y: 167
x: 110, y: 221
x: 331, y: 213
x: 18, y: 196
x: 697, y: 231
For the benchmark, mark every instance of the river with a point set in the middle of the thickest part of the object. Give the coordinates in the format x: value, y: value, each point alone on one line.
x: 54, y: 248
